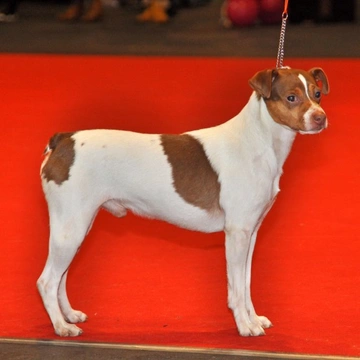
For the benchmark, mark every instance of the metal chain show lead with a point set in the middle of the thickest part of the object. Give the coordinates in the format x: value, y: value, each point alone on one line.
x: 280, y: 55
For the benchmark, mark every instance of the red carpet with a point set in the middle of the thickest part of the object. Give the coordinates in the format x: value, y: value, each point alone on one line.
x: 146, y: 282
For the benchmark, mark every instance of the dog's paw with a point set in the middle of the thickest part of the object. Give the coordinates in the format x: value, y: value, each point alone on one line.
x: 249, y: 329
x: 75, y: 316
x: 68, y: 330
x: 264, y: 322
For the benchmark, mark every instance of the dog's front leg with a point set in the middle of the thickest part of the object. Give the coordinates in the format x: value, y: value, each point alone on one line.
x: 263, y: 321
x: 72, y: 316
x: 237, y: 247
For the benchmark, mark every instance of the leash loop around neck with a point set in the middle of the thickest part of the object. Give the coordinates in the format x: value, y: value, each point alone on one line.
x: 280, y: 55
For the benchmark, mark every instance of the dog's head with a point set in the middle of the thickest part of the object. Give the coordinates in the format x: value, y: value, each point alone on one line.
x: 293, y: 97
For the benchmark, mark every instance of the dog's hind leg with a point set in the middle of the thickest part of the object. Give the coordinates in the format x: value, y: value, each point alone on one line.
x: 67, y: 231
x: 237, y: 247
x: 72, y: 316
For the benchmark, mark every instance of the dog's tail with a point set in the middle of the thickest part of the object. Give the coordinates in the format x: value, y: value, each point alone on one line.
x: 55, y: 140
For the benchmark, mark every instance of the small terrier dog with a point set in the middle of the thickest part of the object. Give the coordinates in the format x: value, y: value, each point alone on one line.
x: 223, y: 178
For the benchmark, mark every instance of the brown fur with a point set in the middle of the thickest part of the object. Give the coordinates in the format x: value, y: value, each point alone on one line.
x: 194, y: 178
x: 279, y: 108
x: 274, y: 87
x: 60, y: 158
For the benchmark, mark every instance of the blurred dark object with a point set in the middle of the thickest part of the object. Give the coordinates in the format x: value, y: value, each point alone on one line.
x: 178, y: 4
x: 192, y: 3
x: 322, y: 11
x: 175, y: 5
x: 8, y: 10
x: 270, y: 11
x: 83, y: 10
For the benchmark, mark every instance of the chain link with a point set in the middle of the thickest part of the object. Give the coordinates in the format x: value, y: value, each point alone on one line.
x: 280, y: 55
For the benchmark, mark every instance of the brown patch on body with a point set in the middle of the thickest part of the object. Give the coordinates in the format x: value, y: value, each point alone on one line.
x: 194, y: 178
x: 60, y: 159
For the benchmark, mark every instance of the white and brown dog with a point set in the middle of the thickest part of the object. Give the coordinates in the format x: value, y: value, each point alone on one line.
x: 221, y: 178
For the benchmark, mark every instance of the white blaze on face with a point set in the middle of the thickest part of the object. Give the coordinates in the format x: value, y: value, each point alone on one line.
x: 303, y: 80
x: 314, y: 107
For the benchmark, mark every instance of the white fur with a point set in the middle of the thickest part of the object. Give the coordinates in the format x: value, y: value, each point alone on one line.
x: 303, y: 80
x: 132, y: 173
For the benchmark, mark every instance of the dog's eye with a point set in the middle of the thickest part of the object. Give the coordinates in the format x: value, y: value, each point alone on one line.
x: 318, y: 95
x: 291, y: 98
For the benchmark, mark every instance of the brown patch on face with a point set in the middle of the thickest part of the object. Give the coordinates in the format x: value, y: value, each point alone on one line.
x: 60, y: 159
x: 288, y: 101
x: 194, y: 178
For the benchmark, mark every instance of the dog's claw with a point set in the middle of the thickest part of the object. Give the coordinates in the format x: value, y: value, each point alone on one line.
x: 264, y: 322
x: 250, y: 329
x: 254, y: 327
x: 68, y: 330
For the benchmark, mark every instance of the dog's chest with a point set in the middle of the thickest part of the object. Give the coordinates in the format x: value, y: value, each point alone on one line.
x: 265, y: 176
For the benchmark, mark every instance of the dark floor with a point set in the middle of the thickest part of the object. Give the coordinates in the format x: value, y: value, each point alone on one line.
x: 43, y: 350
x: 192, y: 32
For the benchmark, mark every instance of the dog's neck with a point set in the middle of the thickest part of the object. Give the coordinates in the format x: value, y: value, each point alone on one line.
x: 255, y: 116
x: 282, y: 136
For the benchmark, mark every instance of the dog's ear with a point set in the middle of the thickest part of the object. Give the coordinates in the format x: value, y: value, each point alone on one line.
x: 262, y: 81
x: 319, y: 75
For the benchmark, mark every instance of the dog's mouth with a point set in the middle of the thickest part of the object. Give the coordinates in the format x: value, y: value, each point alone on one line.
x: 305, y: 132
x: 312, y: 131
